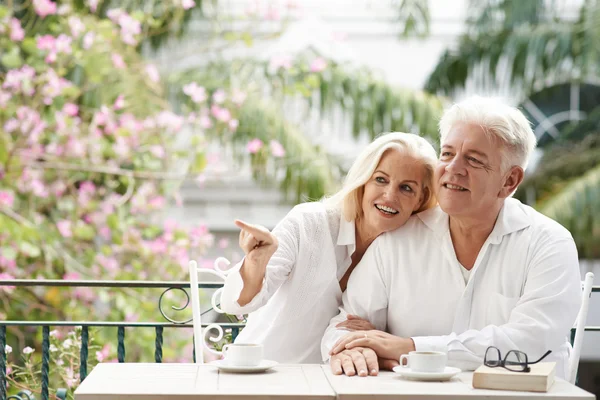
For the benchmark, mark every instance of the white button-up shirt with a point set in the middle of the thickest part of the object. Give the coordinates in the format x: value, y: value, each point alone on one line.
x: 524, y: 291
x: 301, y: 291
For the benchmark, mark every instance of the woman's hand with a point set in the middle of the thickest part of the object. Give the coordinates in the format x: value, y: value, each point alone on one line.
x: 385, y: 345
x: 259, y: 245
x: 257, y: 242
x: 355, y: 323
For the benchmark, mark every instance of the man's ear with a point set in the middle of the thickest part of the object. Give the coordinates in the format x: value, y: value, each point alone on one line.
x: 512, y: 180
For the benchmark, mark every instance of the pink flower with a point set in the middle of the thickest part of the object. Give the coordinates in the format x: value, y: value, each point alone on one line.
x: 318, y: 65
x: 152, y: 73
x: 110, y: 264
x: 45, y: 42
x: 238, y: 97
x: 63, y: 44
x: 219, y: 96
x: 277, y: 149
x: 254, y: 146
x: 280, y: 61
x: 70, y: 109
x: 205, y: 122
x: 72, y: 378
x: 16, y: 31
x: 6, y: 277
x: 119, y: 103
x: 77, y: 27
x: 64, y: 227
x: 221, y: 114
x: 44, y: 8
x: 104, y: 353
x: 28, y: 350
x: 93, y: 5
x: 195, y: 92
x: 233, y: 124
x: 105, y: 233
x: 157, y: 151
x: 88, y: 40
x: 4, y: 98
x: 6, y: 199
x: 272, y: 14
x: 117, y: 61
x: 187, y: 4
x: 38, y: 188
x: 71, y: 276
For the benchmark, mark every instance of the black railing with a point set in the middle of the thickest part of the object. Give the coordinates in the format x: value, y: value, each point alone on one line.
x: 85, y: 325
x: 121, y: 326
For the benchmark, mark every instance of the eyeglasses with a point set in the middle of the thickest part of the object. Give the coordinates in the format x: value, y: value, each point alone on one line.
x: 515, y: 360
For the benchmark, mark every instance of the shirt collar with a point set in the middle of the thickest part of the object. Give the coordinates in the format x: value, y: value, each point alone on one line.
x: 512, y: 218
x: 347, y: 234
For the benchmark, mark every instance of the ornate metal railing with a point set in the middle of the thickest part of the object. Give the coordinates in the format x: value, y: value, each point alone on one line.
x: 85, y: 325
x: 121, y: 326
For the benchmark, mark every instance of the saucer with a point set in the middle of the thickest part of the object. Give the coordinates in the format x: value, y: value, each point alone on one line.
x: 445, y: 375
x: 225, y: 367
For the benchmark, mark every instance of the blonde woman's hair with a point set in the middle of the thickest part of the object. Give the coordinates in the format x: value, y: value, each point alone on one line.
x: 349, y: 198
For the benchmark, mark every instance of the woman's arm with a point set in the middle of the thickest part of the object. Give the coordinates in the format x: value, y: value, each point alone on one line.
x: 268, y: 262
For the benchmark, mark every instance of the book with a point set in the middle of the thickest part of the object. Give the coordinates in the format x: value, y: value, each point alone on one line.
x: 539, y: 379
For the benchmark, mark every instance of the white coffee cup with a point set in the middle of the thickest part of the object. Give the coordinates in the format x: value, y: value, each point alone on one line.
x: 425, y: 361
x: 243, y: 354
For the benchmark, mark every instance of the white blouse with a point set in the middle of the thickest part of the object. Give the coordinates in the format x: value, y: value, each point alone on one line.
x: 301, y: 291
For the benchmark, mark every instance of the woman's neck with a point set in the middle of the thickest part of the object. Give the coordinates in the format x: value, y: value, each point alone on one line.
x: 364, y: 235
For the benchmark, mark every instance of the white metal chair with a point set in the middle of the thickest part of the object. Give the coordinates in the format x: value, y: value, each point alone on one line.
x: 199, y: 335
x: 580, y: 326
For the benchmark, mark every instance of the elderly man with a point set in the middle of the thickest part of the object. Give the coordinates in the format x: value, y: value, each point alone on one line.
x: 480, y: 270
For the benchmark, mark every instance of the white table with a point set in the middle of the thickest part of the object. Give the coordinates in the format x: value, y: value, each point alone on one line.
x: 388, y: 385
x: 289, y: 382
x: 194, y: 381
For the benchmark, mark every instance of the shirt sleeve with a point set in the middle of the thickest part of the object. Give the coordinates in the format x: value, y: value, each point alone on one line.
x: 278, y: 269
x: 540, y: 320
x: 366, y: 296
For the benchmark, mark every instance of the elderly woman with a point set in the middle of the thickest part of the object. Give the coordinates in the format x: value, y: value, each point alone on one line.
x: 291, y: 281
x: 480, y: 270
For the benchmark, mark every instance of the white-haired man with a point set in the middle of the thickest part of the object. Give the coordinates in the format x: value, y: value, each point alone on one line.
x: 480, y: 270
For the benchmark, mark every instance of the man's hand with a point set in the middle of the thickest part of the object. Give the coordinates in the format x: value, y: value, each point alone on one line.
x: 358, y: 359
x: 355, y: 323
x: 385, y: 345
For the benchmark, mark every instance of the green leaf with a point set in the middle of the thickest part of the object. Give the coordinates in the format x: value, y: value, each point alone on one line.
x: 113, y: 222
x: 9, y: 253
x: 247, y: 39
x: 12, y: 59
x: 29, y: 249
x: 84, y: 232
x: 29, y: 46
x: 199, y: 163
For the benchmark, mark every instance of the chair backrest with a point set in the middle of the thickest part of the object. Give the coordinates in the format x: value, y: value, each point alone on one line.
x: 580, y: 326
x: 200, y: 335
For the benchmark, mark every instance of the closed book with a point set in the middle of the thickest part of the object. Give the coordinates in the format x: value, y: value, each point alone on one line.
x: 539, y: 379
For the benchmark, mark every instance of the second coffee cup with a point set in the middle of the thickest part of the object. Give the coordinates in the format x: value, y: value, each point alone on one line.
x: 424, y: 361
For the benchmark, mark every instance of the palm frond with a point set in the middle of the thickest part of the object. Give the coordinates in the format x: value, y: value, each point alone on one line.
x: 577, y: 208
x: 415, y: 17
x: 375, y: 106
x: 561, y: 164
x: 535, y: 55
